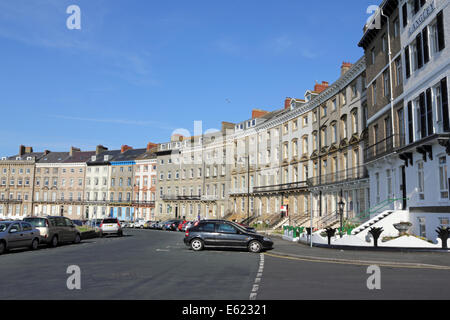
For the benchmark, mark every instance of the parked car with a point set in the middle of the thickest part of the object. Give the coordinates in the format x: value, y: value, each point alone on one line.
x: 139, y: 224
x: 111, y: 226
x: 158, y: 225
x: 16, y: 234
x: 78, y: 222
x: 148, y: 224
x: 225, y: 234
x: 182, y: 225
x: 123, y: 223
x: 95, y: 223
x: 55, y: 230
x: 171, y: 225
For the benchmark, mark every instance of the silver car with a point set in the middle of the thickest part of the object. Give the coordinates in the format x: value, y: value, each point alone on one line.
x: 55, y: 229
x: 111, y: 226
x: 18, y: 234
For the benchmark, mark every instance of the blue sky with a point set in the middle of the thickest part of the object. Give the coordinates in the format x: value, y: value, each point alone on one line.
x: 139, y: 69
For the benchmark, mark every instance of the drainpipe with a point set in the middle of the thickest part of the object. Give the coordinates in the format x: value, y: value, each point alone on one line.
x: 390, y: 77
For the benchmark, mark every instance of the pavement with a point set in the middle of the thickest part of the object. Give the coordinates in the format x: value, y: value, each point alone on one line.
x: 299, y: 250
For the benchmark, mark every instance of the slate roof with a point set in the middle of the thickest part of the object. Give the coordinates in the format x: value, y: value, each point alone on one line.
x: 37, y: 155
x: 100, y: 158
x: 147, y: 155
x: 80, y: 156
x: 54, y: 157
x: 129, y: 155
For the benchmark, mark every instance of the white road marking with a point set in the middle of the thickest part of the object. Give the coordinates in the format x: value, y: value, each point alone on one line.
x: 258, y: 278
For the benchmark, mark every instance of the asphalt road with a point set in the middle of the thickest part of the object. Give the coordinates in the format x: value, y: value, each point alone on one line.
x: 156, y: 265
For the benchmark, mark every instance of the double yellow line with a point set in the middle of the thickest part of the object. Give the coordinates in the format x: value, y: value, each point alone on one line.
x: 361, y: 263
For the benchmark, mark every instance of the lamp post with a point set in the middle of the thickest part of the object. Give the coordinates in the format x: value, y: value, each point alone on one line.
x: 341, y: 205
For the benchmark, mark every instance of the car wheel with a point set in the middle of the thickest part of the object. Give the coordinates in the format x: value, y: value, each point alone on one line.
x: 34, y: 244
x: 254, y: 246
x: 77, y: 239
x: 197, y: 245
x: 54, y: 241
x: 142, y: 227
x: 2, y: 247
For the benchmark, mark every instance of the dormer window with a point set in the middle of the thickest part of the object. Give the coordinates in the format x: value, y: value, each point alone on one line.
x: 93, y: 158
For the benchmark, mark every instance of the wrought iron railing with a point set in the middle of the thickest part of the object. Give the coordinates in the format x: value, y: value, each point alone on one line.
x: 281, y: 187
x: 354, y: 173
x: 180, y: 198
x: 384, y: 147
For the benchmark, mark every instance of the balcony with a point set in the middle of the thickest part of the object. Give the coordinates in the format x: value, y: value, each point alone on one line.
x: 281, y: 187
x: 209, y: 198
x: 172, y: 197
x: 348, y: 175
x: 384, y: 147
x: 240, y: 191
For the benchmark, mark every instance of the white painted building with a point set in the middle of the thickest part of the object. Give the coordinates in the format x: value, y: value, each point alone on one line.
x: 425, y: 35
x: 409, y: 167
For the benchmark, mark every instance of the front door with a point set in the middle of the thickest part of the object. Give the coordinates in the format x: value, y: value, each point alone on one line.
x: 404, y: 204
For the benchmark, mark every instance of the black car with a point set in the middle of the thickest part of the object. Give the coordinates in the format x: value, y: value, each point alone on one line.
x: 221, y: 233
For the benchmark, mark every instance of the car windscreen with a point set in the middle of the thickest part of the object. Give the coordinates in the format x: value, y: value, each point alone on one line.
x: 36, y: 222
x: 110, y: 221
x: 237, y: 225
x: 4, y: 226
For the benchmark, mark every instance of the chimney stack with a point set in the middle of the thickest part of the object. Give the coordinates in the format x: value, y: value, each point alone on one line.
x: 257, y: 113
x: 321, y: 87
x: 73, y: 150
x: 345, y: 67
x: 125, y: 148
x: 151, y: 145
x: 100, y: 149
x: 21, y: 150
x: 287, y: 103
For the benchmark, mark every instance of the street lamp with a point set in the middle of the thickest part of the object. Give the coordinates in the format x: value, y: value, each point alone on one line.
x: 341, y: 205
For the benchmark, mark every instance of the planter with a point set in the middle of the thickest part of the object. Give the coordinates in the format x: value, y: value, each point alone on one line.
x: 402, y: 227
